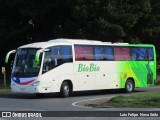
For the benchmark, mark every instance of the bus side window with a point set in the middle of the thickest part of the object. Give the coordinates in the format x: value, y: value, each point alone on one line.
x: 98, y: 53
x: 108, y: 53
x: 55, y: 55
x: 48, y: 62
x: 61, y: 54
x: 104, y: 53
x: 122, y: 53
x: 150, y: 54
x: 84, y: 53
x: 133, y: 54
x: 142, y: 54
x: 66, y: 54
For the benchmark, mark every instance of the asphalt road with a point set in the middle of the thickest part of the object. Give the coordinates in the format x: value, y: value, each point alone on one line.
x: 52, y: 102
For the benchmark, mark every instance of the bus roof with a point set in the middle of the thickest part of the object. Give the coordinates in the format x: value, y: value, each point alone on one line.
x: 63, y: 41
x: 75, y: 41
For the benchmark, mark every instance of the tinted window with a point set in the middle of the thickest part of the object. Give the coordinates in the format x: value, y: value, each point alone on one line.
x: 103, y: 53
x: 84, y: 53
x: 142, y: 54
x: 25, y: 65
x: 62, y: 53
x: 57, y: 56
x: 150, y: 54
x: 108, y: 53
x: 121, y: 53
x: 98, y: 53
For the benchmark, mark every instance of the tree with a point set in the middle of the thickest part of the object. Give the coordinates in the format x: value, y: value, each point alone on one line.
x: 27, y: 21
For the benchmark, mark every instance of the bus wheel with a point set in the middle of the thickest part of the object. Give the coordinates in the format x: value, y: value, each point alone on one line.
x: 129, y: 87
x: 65, y: 90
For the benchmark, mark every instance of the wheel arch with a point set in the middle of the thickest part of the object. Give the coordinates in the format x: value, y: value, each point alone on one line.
x: 131, y: 78
x: 129, y: 85
x: 69, y: 82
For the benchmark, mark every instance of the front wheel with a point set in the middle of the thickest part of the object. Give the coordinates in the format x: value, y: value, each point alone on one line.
x: 129, y: 87
x: 65, y: 89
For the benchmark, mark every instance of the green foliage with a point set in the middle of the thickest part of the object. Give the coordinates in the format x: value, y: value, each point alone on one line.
x: 150, y: 99
x: 5, y: 91
x: 26, y: 21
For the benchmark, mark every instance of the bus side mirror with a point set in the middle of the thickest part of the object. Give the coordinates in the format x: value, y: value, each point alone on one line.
x: 38, y: 54
x: 8, y: 54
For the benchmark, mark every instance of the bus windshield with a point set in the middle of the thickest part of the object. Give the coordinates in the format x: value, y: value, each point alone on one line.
x: 25, y: 64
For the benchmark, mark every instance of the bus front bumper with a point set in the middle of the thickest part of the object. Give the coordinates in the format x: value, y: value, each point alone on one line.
x: 25, y: 89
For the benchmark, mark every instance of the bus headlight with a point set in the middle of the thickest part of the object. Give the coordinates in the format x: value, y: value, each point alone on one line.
x: 37, y: 83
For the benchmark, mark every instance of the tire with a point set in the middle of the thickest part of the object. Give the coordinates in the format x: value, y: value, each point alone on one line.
x: 65, y: 90
x: 129, y: 87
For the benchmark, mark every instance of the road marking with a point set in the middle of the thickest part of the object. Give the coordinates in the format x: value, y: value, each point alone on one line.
x: 75, y: 104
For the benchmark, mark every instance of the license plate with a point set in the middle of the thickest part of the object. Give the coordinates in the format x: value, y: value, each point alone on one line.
x: 22, y: 89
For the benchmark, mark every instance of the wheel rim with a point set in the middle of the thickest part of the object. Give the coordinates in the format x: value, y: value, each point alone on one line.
x: 66, y: 90
x: 129, y: 86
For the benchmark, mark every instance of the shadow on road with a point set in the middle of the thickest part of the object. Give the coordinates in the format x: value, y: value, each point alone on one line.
x: 75, y: 94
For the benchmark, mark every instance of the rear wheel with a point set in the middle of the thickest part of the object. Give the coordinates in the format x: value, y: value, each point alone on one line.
x: 65, y: 89
x: 129, y: 87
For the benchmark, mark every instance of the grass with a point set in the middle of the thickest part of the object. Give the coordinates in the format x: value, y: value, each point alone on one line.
x: 5, y: 91
x: 141, y: 100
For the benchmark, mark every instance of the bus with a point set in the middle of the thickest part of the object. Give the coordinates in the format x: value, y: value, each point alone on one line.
x: 68, y: 65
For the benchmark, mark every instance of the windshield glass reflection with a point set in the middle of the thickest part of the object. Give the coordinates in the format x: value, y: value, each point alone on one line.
x: 25, y: 64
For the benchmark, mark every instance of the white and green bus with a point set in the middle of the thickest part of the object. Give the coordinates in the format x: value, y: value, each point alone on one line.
x: 68, y: 65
